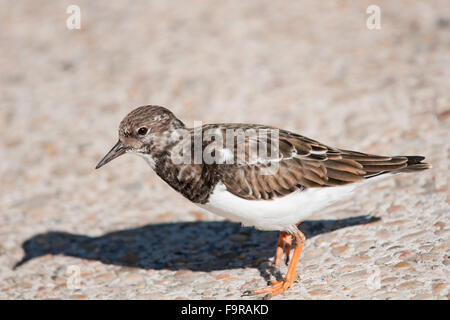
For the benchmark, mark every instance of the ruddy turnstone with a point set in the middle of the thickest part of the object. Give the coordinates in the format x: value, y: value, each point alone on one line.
x: 215, y: 167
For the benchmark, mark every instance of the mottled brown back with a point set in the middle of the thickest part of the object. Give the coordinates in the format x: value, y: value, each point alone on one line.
x: 305, y: 163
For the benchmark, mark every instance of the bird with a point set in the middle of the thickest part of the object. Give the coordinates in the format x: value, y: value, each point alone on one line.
x: 225, y: 168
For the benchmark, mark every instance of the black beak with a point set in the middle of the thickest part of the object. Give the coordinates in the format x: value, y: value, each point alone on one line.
x: 116, y: 151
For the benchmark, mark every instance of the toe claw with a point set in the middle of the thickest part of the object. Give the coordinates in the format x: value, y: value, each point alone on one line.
x: 246, y: 293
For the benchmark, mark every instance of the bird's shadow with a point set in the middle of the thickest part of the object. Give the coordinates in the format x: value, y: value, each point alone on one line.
x: 197, y: 246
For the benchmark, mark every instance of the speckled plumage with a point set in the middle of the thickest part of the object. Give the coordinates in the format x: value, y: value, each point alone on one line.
x: 301, y: 163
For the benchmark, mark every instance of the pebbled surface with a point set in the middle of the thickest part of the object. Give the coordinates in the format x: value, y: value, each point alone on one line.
x: 311, y: 67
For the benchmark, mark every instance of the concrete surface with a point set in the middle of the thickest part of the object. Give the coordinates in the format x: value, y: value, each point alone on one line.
x: 308, y: 66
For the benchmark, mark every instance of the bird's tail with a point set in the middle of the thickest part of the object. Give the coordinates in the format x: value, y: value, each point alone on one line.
x: 414, y: 163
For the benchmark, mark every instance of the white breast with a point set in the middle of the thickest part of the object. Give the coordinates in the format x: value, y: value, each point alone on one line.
x: 148, y: 158
x: 279, y: 214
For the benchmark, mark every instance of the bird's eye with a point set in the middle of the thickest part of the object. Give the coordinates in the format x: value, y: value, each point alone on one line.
x: 142, y: 131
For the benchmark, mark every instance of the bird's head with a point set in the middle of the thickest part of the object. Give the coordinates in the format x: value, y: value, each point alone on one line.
x: 145, y: 130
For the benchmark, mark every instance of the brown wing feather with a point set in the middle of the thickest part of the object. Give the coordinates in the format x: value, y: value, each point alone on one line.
x: 305, y: 163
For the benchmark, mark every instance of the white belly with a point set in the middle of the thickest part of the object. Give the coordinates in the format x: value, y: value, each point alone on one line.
x: 278, y: 214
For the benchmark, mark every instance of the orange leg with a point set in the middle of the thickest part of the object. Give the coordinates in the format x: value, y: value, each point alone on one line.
x: 283, y: 247
x: 279, y: 287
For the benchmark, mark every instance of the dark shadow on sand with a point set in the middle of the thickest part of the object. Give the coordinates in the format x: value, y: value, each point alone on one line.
x: 197, y: 246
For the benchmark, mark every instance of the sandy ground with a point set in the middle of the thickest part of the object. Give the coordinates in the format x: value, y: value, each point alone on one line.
x: 308, y: 66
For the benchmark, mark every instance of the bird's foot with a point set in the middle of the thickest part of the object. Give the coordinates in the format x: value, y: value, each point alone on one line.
x: 276, y: 287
